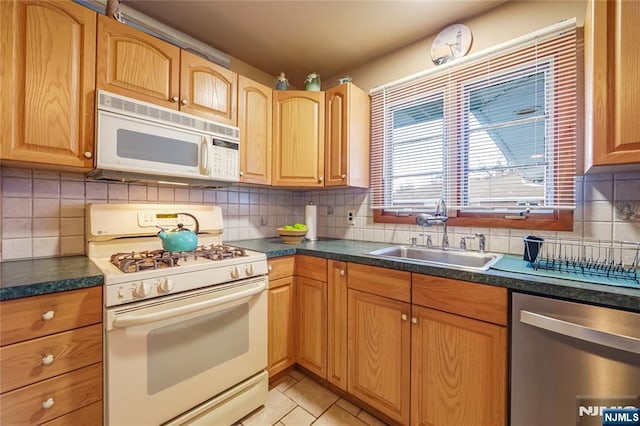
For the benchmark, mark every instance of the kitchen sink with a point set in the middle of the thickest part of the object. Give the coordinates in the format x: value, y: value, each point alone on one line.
x: 467, y: 260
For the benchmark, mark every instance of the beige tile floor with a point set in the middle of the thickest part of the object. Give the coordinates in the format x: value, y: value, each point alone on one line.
x: 298, y: 400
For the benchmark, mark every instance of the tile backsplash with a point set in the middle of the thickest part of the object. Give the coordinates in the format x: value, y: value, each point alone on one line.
x: 43, y: 212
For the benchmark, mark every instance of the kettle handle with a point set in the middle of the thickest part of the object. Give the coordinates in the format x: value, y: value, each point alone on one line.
x: 194, y: 218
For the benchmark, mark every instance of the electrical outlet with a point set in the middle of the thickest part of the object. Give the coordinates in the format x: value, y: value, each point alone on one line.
x: 351, y: 217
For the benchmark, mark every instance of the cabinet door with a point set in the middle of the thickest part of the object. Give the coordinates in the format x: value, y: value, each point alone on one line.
x: 458, y: 370
x: 379, y: 351
x: 312, y: 325
x: 347, y: 136
x: 132, y: 63
x: 207, y: 89
x: 612, y: 103
x: 337, y: 324
x: 298, y: 144
x: 48, y: 78
x: 281, y: 322
x: 255, y: 103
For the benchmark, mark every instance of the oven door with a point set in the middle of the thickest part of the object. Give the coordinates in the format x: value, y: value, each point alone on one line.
x: 167, y: 355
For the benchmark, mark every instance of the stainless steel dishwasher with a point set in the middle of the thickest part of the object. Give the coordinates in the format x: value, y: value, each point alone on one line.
x: 568, y: 360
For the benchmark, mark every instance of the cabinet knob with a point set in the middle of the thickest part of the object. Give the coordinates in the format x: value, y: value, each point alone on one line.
x: 414, y: 320
x: 88, y: 154
x: 184, y: 102
x: 343, y: 176
x: 320, y: 179
x: 48, y: 316
x: 48, y: 403
x: 174, y: 99
x: 342, y: 272
x: 404, y: 317
x: 241, y: 173
x: 270, y: 268
x: 47, y: 359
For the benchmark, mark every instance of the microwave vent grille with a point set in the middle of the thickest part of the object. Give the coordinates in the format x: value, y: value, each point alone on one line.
x: 143, y: 110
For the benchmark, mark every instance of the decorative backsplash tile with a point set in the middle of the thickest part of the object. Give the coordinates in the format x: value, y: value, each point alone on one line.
x: 43, y: 212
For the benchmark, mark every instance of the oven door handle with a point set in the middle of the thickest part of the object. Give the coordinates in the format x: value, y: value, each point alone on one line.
x: 133, y: 320
x: 581, y: 332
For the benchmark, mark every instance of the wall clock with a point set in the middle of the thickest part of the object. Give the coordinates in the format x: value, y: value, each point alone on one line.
x: 452, y: 42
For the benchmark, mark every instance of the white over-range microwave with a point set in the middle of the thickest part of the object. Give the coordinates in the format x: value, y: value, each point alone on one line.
x: 139, y: 141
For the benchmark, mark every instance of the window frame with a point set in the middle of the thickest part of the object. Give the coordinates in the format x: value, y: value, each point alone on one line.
x: 552, y: 219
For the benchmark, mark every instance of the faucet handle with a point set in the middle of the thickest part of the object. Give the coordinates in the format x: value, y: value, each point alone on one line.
x: 482, y: 241
x: 429, y: 242
x: 463, y: 241
x: 414, y: 241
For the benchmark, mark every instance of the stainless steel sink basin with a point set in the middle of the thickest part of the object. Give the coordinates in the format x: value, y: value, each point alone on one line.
x: 467, y: 260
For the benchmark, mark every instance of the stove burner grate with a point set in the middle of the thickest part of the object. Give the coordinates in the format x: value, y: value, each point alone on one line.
x: 156, y: 259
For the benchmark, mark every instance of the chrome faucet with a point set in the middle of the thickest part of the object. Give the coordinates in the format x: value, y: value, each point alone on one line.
x: 482, y: 242
x: 440, y: 217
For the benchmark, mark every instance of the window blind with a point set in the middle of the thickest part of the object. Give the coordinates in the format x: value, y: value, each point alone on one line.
x: 493, y: 131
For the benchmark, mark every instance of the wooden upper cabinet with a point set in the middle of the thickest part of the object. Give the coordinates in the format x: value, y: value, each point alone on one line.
x: 132, y: 63
x: 612, y: 95
x: 207, y: 89
x: 298, y: 144
x: 48, y: 77
x: 347, y: 136
x: 255, y: 103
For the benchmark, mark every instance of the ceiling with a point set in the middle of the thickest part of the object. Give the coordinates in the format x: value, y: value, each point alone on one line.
x: 300, y: 37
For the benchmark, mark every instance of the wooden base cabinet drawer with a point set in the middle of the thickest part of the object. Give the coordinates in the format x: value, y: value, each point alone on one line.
x: 90, y: 415
x: 31, y: 317
x: 281, y: 267
x: 28, y: 362
x: 52, y: 398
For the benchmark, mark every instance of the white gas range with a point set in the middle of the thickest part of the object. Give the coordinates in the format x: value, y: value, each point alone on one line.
x: 185, y: 333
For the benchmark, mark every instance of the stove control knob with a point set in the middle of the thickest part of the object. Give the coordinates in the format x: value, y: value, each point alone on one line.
x: 235, y: 273
x: 142, y: 289
x: 249, y: 270
x: 165, y: 286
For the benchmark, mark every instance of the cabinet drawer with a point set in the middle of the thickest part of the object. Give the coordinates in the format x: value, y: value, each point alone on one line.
x: 311, y: 267
x: 483, y: 302
x: 24, y: 363
x: 68, y: 392
x: 24, y: 319
x: 88, y: 415
x: 381, y: 281
x: 281, y: 267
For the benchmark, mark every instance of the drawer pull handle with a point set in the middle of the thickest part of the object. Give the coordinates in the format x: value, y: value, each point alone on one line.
x: 48, y: 403
x: 47, y: 359
x: 47, y: 316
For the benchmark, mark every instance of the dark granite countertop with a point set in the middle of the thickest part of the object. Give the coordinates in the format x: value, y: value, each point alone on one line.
x: 355, y: 251
x: 23, y: 278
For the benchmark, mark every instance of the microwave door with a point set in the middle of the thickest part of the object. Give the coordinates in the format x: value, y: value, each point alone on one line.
x: 131, y: 145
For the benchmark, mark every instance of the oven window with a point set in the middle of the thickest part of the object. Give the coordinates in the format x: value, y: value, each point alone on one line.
x: 147, y: 147
x: 180, y: 351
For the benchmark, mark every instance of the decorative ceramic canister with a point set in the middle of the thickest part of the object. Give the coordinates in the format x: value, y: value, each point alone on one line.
x: 312, y: 82
x: 345, y: 79
x: 281, y: 82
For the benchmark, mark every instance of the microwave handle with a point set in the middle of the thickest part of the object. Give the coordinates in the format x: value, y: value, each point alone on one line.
x: 205, y: 167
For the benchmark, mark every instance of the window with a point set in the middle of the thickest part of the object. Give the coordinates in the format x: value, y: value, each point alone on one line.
x: 494, y: 134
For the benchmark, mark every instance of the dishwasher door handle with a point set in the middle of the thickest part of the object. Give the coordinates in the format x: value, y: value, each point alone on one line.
x: 577, y: 331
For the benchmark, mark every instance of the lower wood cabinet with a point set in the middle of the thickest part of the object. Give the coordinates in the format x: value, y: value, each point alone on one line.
x: 458, y: 352
x: 51, y: 359
x: 459, y: 369
x: 379, y: 342
x: 281, y: 315
x: 312, y: 325
x: 337, y: 323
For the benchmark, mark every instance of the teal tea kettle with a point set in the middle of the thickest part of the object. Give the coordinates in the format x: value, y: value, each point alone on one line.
x: 180, y: 238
